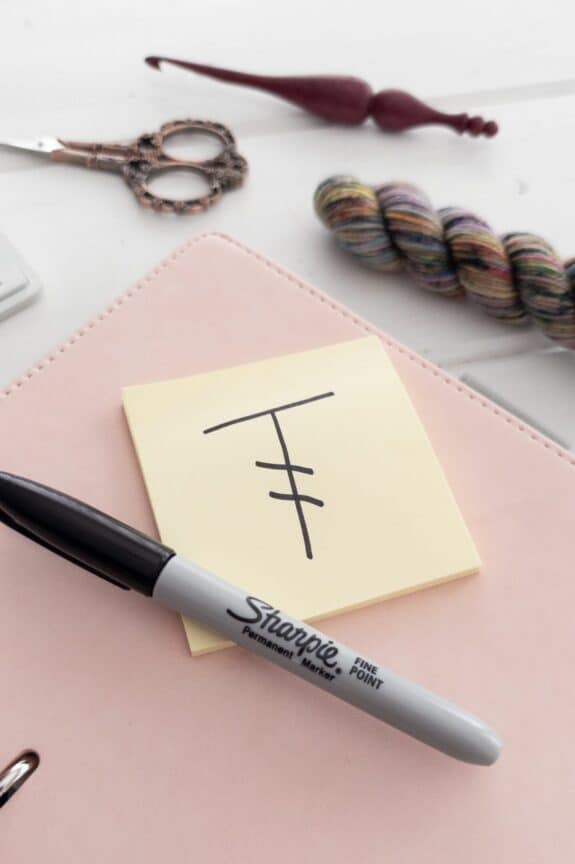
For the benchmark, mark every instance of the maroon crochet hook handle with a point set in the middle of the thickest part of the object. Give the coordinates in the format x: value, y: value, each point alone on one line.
x: 343, y: 99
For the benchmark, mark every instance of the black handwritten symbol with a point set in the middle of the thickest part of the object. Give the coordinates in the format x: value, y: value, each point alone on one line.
x: 286, y: 464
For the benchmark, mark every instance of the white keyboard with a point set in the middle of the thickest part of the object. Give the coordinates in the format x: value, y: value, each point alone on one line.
x: 18, y: 284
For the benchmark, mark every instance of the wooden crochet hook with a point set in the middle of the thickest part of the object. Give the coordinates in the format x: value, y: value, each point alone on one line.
x: 343, y: 99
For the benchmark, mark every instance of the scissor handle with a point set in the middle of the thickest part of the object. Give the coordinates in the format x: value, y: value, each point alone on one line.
x: 222, y: 172
x: 156, y: 140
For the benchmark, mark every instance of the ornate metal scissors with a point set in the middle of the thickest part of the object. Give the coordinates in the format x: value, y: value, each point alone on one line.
x: 141, y: 160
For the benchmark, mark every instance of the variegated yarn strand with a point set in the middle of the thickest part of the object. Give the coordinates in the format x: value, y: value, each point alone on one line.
x: 452, y: 252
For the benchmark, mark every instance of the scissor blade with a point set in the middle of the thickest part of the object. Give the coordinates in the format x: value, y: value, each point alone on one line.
x: 32, y: 145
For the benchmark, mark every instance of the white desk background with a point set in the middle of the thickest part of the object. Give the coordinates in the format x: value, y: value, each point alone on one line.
x: 76, y: 70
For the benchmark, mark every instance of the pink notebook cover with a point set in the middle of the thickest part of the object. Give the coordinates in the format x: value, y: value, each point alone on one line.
x: 151, y: 756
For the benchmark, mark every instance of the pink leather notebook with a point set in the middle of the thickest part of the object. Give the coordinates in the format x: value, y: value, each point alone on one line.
x: 150, y: 756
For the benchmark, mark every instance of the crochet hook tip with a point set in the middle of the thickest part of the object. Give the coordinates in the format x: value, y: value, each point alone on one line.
x: 153, y: 61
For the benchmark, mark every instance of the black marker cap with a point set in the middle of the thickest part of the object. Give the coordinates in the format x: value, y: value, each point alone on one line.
x: 80, y: 533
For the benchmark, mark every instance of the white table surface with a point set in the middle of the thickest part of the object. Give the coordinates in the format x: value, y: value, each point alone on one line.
x: 77, y: 71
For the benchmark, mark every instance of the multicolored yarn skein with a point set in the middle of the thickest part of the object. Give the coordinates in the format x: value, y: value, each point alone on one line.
x: 452, y: 252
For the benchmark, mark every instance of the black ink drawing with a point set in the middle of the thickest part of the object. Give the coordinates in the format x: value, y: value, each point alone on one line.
x: 286, y: 464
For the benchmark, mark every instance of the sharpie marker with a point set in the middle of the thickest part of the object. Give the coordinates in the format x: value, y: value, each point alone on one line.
x: 120, y: 554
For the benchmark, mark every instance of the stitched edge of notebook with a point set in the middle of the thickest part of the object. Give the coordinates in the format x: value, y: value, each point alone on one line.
x: 120, y: 301
x: 318, y: 295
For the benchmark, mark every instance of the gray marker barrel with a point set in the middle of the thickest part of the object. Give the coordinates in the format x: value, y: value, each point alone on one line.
x: 120, y: 554
x: 313, y: 656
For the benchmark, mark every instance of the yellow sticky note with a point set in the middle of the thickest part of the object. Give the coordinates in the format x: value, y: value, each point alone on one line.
x: 306, y: 479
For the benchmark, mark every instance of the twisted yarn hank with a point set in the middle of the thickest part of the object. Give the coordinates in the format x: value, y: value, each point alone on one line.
x: 452, y: 252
